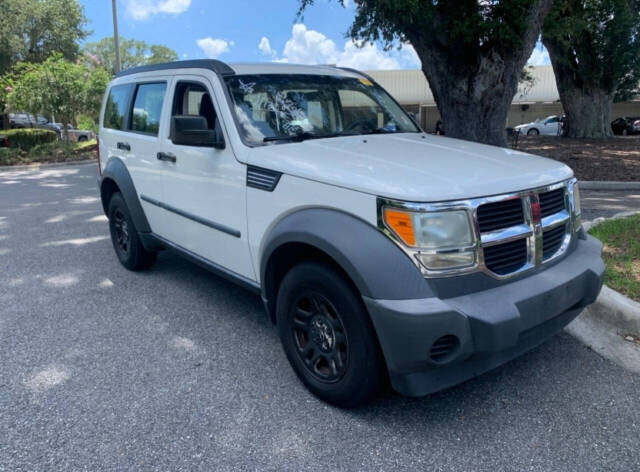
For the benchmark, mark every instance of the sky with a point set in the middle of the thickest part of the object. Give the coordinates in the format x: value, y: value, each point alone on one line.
x: 252, y: 31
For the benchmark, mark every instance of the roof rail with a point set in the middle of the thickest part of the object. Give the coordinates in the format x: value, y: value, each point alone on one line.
x: 356, y: 71
x: 216, y: 66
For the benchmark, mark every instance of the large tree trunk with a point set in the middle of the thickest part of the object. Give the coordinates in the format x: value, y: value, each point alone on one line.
x: 474, y: 98
x: 588, y: 113
x: 473, y: 106
x: 5, y: 121
x: 587, y: 107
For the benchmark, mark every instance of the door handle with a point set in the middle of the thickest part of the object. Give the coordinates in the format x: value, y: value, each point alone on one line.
x: 166, y: 156
x: 124, y: 146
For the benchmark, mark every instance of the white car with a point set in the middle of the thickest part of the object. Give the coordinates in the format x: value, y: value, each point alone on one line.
x: 550, y: 126
x: 380, y: 252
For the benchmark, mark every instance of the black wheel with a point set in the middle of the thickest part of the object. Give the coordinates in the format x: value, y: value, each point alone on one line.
x: 533, y: 132
x: 327, y: 335
x: 82, y: 139
x: 124, y: 237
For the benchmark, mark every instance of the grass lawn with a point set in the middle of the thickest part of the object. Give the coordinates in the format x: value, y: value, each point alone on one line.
x: 621, y: 253
x: 57, y: 151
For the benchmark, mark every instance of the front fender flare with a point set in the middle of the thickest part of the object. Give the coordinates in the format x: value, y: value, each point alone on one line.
x: 377, y: 267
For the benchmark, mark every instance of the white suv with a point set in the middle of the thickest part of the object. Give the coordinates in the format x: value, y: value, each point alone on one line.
x: 381, y: 253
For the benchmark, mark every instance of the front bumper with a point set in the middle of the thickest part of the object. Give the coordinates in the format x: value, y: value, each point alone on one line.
x: 488, y: 327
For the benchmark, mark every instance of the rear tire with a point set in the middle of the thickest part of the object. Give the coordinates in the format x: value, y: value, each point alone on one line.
x: 124, y: 237
x: 327, y: 335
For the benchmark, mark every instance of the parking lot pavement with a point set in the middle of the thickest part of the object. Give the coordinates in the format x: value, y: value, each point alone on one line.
x: 177, y: 369
x: 606, y: 203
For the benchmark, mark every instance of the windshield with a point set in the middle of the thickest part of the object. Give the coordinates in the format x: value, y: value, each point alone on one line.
x: 278, y: 107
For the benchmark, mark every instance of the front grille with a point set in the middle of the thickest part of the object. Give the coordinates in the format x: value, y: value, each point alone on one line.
x: 552, y: 240
x: 500, y: 215
x: 505, y: 258
x: 551, y: 202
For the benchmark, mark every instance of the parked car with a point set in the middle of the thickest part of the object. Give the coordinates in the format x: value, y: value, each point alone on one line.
x: 550, y: 126
x: 77, y: 134
x: 22, y: 120
x: 380, y: 252
x: 43, y: 123
x: 626, y: 126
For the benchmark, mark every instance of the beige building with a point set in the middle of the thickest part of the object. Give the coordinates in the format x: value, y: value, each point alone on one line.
x: 410, y: 89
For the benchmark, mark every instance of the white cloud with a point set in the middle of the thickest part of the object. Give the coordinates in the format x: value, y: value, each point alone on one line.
x: 143, y: 9
x: 265, y: 47
x: 539, y: 57
x: 213, y: 48
x: 308, y: 46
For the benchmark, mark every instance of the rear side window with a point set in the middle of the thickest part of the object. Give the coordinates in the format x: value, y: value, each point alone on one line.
x: 147, y: 107
x: 116, y: 107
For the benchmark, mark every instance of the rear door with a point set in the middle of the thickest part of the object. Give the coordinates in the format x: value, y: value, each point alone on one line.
x: 130, y: 132
x: 204, y: 188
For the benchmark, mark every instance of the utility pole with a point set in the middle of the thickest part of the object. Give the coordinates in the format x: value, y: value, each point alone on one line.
x: 116, y: 38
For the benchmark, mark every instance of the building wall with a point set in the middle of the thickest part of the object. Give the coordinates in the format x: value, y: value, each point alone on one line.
x: 524, y: 112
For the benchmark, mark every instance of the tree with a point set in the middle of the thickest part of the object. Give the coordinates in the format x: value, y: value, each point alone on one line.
x: 472, y: 53
x: 59, y: 87
x: 594, y: 46
x: 30, y: 30
x: 132, y: 53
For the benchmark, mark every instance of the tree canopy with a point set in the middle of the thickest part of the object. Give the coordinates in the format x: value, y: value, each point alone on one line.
x: 58, y: 86
x: 594, y: 47
x: 133, y: 53
x: 30, y: 30
x: 472, y: 52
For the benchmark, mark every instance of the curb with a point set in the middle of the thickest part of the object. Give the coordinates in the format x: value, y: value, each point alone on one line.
x: 37, y: 165
x: 587, y: 225
x: 615, y: 309
x: 607, y: 185
x: 611, y: 325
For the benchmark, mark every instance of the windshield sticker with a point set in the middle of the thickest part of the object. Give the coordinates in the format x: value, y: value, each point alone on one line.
x: 366, y: 82
x: 246, y: 88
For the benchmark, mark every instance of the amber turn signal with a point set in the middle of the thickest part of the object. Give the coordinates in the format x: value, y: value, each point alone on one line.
x: 400, y: 223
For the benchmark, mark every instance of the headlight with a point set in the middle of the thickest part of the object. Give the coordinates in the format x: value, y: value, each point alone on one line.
x: 444, y: 239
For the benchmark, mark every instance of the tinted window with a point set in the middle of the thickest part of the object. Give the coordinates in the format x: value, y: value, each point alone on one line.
x: 116, y: 107
x: 147, y: 107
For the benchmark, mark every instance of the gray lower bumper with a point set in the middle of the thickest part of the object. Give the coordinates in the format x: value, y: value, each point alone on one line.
x: 490, y: 327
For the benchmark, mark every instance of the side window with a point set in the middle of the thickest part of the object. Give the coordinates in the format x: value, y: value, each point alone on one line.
x: 147, y: 107
x: 193, y: 99
x: 116, y: 107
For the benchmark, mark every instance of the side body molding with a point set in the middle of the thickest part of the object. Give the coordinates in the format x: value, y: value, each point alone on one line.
x: 116, y: 172
x: 378, y: 268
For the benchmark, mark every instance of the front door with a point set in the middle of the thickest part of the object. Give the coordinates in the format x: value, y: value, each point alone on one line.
x: 204, y: 188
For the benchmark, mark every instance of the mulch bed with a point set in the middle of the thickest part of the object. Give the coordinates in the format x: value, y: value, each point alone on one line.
x: 591, y: 159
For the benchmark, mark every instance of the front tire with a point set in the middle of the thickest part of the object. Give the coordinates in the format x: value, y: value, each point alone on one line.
x: 533, y: 132
x: 327, y: 335
x: 124, y: 237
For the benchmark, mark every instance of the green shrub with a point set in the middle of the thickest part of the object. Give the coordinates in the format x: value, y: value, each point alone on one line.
x: 29, y: 137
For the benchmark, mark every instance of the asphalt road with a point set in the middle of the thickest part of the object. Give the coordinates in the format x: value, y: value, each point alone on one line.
x: 607, y: 203
x: 176, y: 369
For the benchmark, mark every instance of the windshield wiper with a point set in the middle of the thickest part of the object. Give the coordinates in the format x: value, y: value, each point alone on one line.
x: 378, y: 131
x: 299, y: 137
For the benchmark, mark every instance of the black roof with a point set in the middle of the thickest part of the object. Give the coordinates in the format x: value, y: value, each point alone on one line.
x: 218, y: 67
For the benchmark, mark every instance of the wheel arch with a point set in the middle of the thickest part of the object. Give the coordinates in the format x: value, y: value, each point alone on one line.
x: 372, y: 263
x: 116, y: 178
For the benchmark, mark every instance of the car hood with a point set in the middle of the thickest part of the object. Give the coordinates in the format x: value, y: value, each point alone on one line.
x: 412, y: 166
x: 526, y: 125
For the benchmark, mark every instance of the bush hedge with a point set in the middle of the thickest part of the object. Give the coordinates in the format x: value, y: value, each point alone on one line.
x: 26, y: 138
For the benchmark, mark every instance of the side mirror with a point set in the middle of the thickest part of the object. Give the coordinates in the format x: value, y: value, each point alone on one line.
x: 190, y: 130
